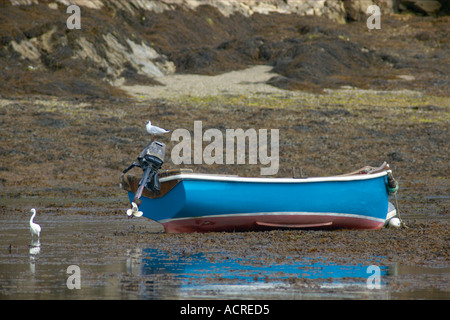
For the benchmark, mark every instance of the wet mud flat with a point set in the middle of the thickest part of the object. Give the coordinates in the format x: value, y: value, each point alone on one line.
x: 65, y: 156
x: 123, y: 258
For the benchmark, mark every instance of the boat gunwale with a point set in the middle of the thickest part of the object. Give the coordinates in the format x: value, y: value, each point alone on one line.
x: 224, y: 178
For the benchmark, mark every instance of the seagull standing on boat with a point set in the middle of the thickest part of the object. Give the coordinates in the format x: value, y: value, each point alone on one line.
x: 154, y: 130
x: 35, y: 229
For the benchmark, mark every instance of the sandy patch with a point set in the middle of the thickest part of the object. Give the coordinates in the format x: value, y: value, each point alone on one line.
x: 248, y: 81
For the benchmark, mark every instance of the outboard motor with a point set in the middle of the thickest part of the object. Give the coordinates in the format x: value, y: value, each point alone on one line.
x: 150, y: 161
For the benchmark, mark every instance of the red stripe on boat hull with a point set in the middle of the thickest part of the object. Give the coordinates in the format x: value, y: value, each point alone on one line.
x: 268, y: 222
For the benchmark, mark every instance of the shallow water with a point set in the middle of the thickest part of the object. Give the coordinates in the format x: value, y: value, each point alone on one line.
x: 218, y: 276
x: 114, y: 269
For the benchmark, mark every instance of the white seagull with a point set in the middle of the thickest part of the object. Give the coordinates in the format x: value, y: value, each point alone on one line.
x: 154, y: 130
x: 35, y: 229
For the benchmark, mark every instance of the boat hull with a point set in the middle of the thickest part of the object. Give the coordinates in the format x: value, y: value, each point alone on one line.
x: 205, y: 203
x: 236, y: 223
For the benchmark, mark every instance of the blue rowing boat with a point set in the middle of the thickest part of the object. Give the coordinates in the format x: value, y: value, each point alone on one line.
x: 204, y: 203
x: 183, y: 201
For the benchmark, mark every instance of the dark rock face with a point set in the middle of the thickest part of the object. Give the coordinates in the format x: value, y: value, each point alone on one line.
x: 426, y: 7
x: 120, y: 43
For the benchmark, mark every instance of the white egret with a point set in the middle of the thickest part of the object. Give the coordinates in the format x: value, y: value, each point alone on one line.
x: 134, y: 211
x: 35, y: 229
x: 154, y: 130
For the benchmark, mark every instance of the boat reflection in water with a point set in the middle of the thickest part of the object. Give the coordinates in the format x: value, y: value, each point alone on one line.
x: 172, y: 275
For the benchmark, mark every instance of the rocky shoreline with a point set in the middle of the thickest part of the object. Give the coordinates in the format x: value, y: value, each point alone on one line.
x: 140, y: 42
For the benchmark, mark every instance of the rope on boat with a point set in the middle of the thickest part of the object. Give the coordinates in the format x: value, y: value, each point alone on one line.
x: 392, y: 186
x: 402, y: 224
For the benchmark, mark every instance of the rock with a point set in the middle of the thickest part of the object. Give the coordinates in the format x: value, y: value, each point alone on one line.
x: 356, y: 10
x: 428, y: 7
x: 331, y: 9
x: 139, y: 41
x: 111, y: 55
x: 406, y: 77
x: 396, y: 156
